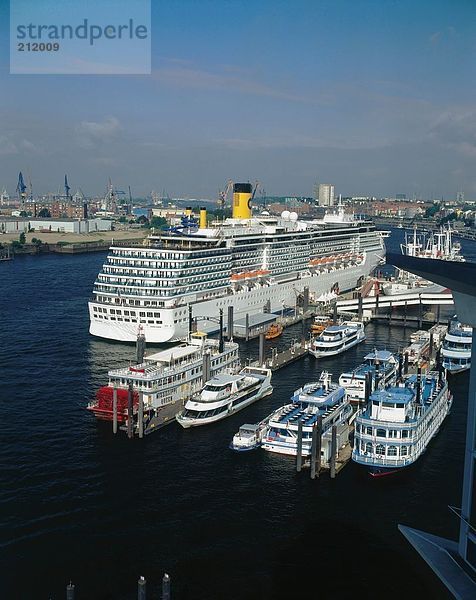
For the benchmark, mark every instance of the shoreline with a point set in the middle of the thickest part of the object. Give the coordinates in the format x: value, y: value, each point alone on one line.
x: 70, y: 243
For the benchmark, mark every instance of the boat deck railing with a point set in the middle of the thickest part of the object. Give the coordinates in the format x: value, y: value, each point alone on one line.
x: 383, y: 462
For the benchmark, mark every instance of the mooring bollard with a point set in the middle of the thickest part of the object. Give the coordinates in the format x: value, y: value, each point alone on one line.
x: 165, y: 587
x: 318, y: 445
x: 130, y: 411
x: 70, y: 591
x: 299, y: 447
x: 114, y: 410
x: 333, y: 451
x: 313, y: 451
x: 261, y: 349
x: 229, y: 327
x: 140, y: 415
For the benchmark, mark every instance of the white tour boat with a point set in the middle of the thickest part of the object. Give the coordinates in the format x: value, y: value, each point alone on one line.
x: 336, y: 339
x: 165, y: 377
x: 224, y: 395
x: 379, y: 370
x: 395, y: 428
x: 248, y: 262
x: 456, y: 350
x: 321, y: 399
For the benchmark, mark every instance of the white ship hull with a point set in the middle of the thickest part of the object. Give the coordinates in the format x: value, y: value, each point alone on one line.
x: 174, y: 321
x: 187, y: 423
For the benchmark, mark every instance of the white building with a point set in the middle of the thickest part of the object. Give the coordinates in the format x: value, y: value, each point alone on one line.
x: 326, y: 194
x: 17, y: 225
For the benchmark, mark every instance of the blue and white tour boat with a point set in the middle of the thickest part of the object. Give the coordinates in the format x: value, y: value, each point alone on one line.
x: 396, y: 426
x: 379, y: 370
x: 321, y: 399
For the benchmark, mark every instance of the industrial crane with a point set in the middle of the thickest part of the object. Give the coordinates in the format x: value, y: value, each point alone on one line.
x: 222, y: 196
x: 21, y: 186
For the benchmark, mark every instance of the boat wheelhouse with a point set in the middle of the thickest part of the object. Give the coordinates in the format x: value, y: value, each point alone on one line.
x: 379, y: 370
x: 320, y: 399
x: 456, y: 349
x: 224, y: 395
x: 165, y: 377
x: 336, y: 339
x: 254, y: 263
x: 396, y: 426
x: 418, y: 348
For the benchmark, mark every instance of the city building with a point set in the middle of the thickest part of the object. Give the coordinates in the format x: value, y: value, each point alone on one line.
x: 325, y: 194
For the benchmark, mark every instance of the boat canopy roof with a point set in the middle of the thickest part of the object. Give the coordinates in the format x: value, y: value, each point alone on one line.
x: 396, y: 395
x: 381, y: 355
x: 252, y: 427
x: 176, y: 353
x: 224, y: 379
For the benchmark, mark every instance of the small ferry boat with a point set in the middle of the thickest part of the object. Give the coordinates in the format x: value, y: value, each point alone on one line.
x: 274, y: 331
x: 248, y: 437
x: 395, y: 428
x: 336, y: 339
x: 165, y: 377
x: 456, y: 350
x: 320, y: 399
x: 320, y: 323
x: 224, y: 395
x: 379, y: 370
x: 419, y: 347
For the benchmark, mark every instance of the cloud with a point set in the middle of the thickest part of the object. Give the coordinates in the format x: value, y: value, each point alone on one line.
x: 456, y: 129
x: 93, y: 133
x: 228, y: 81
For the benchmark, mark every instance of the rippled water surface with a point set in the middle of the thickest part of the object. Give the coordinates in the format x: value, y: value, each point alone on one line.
x: 76, y: 503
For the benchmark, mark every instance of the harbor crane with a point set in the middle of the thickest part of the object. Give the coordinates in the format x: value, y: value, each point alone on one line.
x: 21, y: 186
x: 222, y: 195
x: 66, y: 187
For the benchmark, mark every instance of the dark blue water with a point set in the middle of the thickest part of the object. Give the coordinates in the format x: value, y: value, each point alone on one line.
x: 76, y: 503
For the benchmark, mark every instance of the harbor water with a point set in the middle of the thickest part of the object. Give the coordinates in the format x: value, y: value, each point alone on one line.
x: 78, y: 504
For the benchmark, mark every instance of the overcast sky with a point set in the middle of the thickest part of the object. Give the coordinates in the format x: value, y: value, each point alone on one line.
x: 375, y: 96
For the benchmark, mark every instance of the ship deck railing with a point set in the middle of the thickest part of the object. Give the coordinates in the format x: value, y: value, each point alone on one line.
x: 382, y: 462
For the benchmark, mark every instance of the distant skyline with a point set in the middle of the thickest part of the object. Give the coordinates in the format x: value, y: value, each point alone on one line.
x: 374, y: 96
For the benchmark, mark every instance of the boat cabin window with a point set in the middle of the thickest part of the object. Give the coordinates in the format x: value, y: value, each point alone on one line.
x: 368, y: 448
x: 403, y: 451
x: 215, y: 388
x: 369, y: 431
x: 392, y: 451
x: 381, y: 433
x: 389, y: 404
x: 379, y: 449
x: 404, y: 433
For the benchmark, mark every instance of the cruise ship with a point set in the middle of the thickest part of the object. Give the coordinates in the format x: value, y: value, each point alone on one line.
x: 395, y: 428
x: 456, y: 349
x: 246, y: 261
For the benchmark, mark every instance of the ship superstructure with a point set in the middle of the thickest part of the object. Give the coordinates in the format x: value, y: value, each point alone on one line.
x: 248, y: 262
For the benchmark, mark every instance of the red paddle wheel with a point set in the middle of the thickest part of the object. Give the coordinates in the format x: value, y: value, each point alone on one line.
x: 102, y: 406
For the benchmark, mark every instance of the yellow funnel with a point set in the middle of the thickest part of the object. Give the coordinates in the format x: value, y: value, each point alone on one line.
x: 188, y: 211
x: 203, y: 218
x: 242, y: 200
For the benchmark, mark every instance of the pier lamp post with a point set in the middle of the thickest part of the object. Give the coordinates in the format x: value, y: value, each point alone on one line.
x: 454, y: 563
